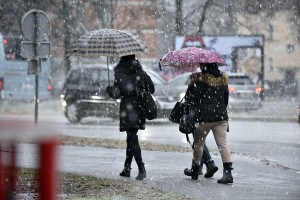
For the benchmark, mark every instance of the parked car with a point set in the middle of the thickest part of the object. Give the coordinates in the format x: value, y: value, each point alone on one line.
x: 243, y: 94
x: 155, y: 77
x: 84, y: 93
x: 169, y: 93
x: 159, y: 83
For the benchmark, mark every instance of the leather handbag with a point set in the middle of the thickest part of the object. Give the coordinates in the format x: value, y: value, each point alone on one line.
x: 149, y: 105
x: 177, y: 112
x: 187, y: 124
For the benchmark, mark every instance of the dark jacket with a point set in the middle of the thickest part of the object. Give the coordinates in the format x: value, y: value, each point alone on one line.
x: 129, y: 81
x: 208, y: 96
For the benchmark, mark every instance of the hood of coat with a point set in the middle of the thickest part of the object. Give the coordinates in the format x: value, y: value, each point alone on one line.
x: 209, y: 79
x: 128, y: 67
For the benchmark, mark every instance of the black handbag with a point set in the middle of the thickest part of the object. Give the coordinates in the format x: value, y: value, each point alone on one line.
x: 187, y: 124
x: 149, y: 105
x: 177, y: 112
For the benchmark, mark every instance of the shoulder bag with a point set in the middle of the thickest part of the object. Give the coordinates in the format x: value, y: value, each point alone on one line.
x: 149, y: 105
x: 178, y: 111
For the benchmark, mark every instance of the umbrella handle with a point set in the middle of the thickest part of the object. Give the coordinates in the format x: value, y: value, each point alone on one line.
x: 159, y: 64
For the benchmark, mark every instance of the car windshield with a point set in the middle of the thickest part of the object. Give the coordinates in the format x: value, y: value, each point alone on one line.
x: 180, y: 80
x: 239, y: 80
x: 155, y: 77
x: 95, y: 77
x: 92, y: 76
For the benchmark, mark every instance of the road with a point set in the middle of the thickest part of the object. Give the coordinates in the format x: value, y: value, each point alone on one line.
x: 277, y: 142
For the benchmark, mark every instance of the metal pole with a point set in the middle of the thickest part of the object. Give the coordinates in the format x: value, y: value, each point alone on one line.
x: 37, y: 68
x: 36, y: 97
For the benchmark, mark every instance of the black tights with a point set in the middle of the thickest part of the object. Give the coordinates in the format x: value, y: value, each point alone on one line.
x: 133, y: 149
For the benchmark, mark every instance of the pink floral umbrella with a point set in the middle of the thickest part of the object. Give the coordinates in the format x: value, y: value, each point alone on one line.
x: 190, y: 57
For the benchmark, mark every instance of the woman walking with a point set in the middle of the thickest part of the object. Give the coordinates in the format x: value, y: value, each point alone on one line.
x: 207, y: 95
x: 129, y: 81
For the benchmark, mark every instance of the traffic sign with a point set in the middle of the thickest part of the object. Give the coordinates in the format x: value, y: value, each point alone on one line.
x: 34, y: 50
x: 36, y: 25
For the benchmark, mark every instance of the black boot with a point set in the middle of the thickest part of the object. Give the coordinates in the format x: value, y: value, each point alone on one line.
x: 126, y: 171
x: 188, y: 172
x: 227, y: 176
x: 211, y: 169
x: 195, y: 170
x: 142, y: 172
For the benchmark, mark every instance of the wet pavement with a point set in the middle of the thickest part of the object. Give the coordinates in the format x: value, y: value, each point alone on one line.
x: 254, y: 178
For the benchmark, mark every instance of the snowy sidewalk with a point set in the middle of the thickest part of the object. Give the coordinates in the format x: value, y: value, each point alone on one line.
x: 253, y: 179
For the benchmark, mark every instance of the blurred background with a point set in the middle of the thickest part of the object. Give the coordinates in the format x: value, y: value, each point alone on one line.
x: 164, y: 25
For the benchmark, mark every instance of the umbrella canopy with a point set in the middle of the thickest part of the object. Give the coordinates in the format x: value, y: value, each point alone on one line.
x: 106, y: 42
x: 190, y: 57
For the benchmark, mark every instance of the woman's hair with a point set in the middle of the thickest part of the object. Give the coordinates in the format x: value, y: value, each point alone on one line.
x: 126, y: 59
x: 128, y: 63
x: 211, y: 68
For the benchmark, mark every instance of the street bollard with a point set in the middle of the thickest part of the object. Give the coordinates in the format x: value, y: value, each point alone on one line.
x: 13, y: 133
x: 48, y: 178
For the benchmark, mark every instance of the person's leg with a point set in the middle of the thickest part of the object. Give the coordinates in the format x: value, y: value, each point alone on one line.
x: 137, y: 154
x: 128, y: 160
x: 211, y: 168
x: 201, y: 132
x: 129, y: 154
x: 206, y: 158
x: 220, y: 132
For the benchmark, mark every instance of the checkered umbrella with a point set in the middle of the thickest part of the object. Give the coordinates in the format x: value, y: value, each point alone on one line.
x: 106, y: 42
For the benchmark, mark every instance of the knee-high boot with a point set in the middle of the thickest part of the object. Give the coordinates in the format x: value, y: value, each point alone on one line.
x: 227, y: 176
x: 142, y: 172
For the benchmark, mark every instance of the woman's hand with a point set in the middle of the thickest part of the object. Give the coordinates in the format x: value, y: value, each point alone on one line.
x: 109, y: 89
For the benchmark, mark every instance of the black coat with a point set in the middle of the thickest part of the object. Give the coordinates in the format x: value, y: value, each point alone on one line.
x: 129, y: 81
x: 208, y: 97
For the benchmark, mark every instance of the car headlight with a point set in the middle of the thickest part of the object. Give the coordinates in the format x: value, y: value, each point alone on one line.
x: 63, y: 103
x: 94, y: 97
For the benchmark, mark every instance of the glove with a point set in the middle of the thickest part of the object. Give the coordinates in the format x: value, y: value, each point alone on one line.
x: 109, y: 89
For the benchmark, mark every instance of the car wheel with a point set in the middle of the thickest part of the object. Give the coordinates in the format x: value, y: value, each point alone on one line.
x: 72, y: 113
